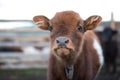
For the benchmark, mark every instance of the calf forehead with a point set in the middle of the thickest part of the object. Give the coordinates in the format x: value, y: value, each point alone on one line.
x: 66, y: 18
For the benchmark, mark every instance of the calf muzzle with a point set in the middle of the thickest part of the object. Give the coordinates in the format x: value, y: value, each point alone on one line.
x: 62, y: 42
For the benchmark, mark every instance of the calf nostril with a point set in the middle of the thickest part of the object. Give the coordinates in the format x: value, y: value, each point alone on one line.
x: 57, y: 41
x: 62, y: 40
x: 66, y: 41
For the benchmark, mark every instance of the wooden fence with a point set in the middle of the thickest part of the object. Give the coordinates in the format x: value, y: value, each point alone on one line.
x: 22, y: 61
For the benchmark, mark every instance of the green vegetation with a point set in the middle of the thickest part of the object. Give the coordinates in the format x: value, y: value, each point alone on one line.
x: 23, y: 74
x: 23, y: 71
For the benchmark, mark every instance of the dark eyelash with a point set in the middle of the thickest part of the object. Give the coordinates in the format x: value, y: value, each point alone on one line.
x: 50, y: 28
x: 79, y: 27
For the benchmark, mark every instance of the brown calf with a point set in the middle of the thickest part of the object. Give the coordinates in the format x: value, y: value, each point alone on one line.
x: 75, y: 52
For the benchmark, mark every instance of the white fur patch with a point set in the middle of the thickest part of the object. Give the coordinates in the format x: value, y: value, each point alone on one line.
x: 98, y: 48
x: 99, y: 51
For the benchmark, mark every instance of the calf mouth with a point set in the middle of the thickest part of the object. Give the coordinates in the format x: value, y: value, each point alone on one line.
x: 63, y: 51
x: 67, y: 55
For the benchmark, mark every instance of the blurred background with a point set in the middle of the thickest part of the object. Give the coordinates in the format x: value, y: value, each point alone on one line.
x: 24, y: 47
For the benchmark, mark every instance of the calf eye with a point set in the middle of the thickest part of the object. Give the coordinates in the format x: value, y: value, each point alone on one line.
x: 79, y: 27
x: 50, y: 28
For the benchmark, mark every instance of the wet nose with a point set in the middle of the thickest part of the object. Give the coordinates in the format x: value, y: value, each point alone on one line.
x: 61, y: 42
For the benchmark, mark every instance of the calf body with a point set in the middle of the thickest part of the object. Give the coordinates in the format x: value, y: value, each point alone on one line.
x: 72, y: 46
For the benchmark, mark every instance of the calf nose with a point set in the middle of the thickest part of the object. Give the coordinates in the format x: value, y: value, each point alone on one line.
x: 61, y: 42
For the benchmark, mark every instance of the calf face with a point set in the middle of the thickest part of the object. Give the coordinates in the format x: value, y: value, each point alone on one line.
x: 67, y: 30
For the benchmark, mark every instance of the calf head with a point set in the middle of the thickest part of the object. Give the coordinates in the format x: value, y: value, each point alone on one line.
x: 67, y: 29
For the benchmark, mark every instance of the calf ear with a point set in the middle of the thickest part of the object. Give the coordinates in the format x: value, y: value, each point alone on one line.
x: 41, y: 21
x: 92, y: 22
